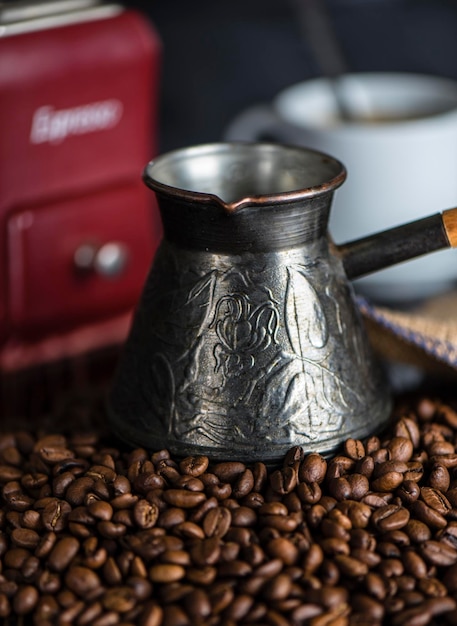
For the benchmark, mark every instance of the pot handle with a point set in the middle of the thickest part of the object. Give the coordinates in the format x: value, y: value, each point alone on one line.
x: 256, y: 123
x: 401, y: 243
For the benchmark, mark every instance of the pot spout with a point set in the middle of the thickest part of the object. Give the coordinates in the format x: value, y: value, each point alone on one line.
x: 401, y: 243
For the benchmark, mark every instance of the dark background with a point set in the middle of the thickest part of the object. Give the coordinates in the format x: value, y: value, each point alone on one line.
x: 221, y: 57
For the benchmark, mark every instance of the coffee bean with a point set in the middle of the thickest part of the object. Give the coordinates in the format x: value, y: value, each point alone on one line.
x: 183, y: 499
x: 376, y: 585
x: 409, y: 491
x: 283, y: 549
x: 293, y: 456
x: 416, y: 616
x: 435, y: 500
x: 279, y: 523
x: 388, y: 481
x: 25, y: 600
x: 447, y: 460
x: 119, y: 599
x: 81, y: 580
x: 426, y: 514
x: 390, y: 517
x: 63, y: 553
x: 432, y: 587
x: 217, y: 522
x: 448, y: 535
x: 358, y: 513
x: 354, y: 449
x: 359, y: 485
x: 145, y: 514
x: 52, y: 454
x: 407, y: 427
x: 151, y: 615
x: 229, y: 470
x: 25, y: 538
x: 78, y: 489
x: 239, y: 608
x: 438, y: 553
x: 243, y: 485
x: 197, y: 604
x: 260, y: 473
x: 194, y: 465
x: 312, y: 469
x: 111, y: 530
x: 400, y: 448
x: 206, y: 552
x: 350, y: 566
x: 54, y: 515
x: 339, y: 466
x: 166, y: 573
x: 333, y: 545
x: 243, y: 516
x: 439, y: 478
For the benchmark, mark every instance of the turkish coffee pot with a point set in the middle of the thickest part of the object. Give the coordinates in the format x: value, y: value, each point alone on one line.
x: 247, y: 339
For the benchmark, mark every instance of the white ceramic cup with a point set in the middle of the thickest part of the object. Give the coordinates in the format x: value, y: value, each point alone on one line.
x: 402, y: 163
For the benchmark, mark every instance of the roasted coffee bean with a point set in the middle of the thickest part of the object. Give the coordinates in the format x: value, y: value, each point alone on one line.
x: 81, y: 580
x: 284, y: 549
x: 448, y: 535
x: 260, y: 473
x: 439, y: 478
x: 388, y: 481
x: 111, y: 530
x: 428, y: 515
x: 340, y: 488
x: 243, y: 516
x: 283, y: 480
x: 14, y: 558
x: 438, y: 553
x: 217, y: 522
x: 390, y: 517
x: 409, y: 491
x: 400, y: 448
x: 359, y: 485
x: 78, y: 489
x: 293, y: 456
x: 243, y: 485
x: 194, y: 465
x: 447, y: 460
x: 358, y: 513
x: 25, y: 600
x: 48, y: 582
x: 183, y: 499
x: 229, y: 471
x: 354, y: 449
x: 145, y: 514
x: 339, y: 466
x: 435, y: 500
x: 418, y: 531
x: 312, y: 469
x: 166, y: 573
x: 25, y: 538
x: 406, y: 427
x: 63, y: 553
x: 206, y: 552
x: 309, y: 493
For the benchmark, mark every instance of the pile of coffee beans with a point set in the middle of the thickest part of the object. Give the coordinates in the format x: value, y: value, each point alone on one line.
x: 91, y: 534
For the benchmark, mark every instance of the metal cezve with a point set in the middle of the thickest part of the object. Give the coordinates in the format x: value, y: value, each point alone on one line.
x: 247, y: 339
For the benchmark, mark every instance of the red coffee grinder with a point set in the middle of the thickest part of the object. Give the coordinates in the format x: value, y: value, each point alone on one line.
x: 78, y: 106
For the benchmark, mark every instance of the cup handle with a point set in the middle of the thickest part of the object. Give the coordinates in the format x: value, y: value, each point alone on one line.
x: 258, y: 123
